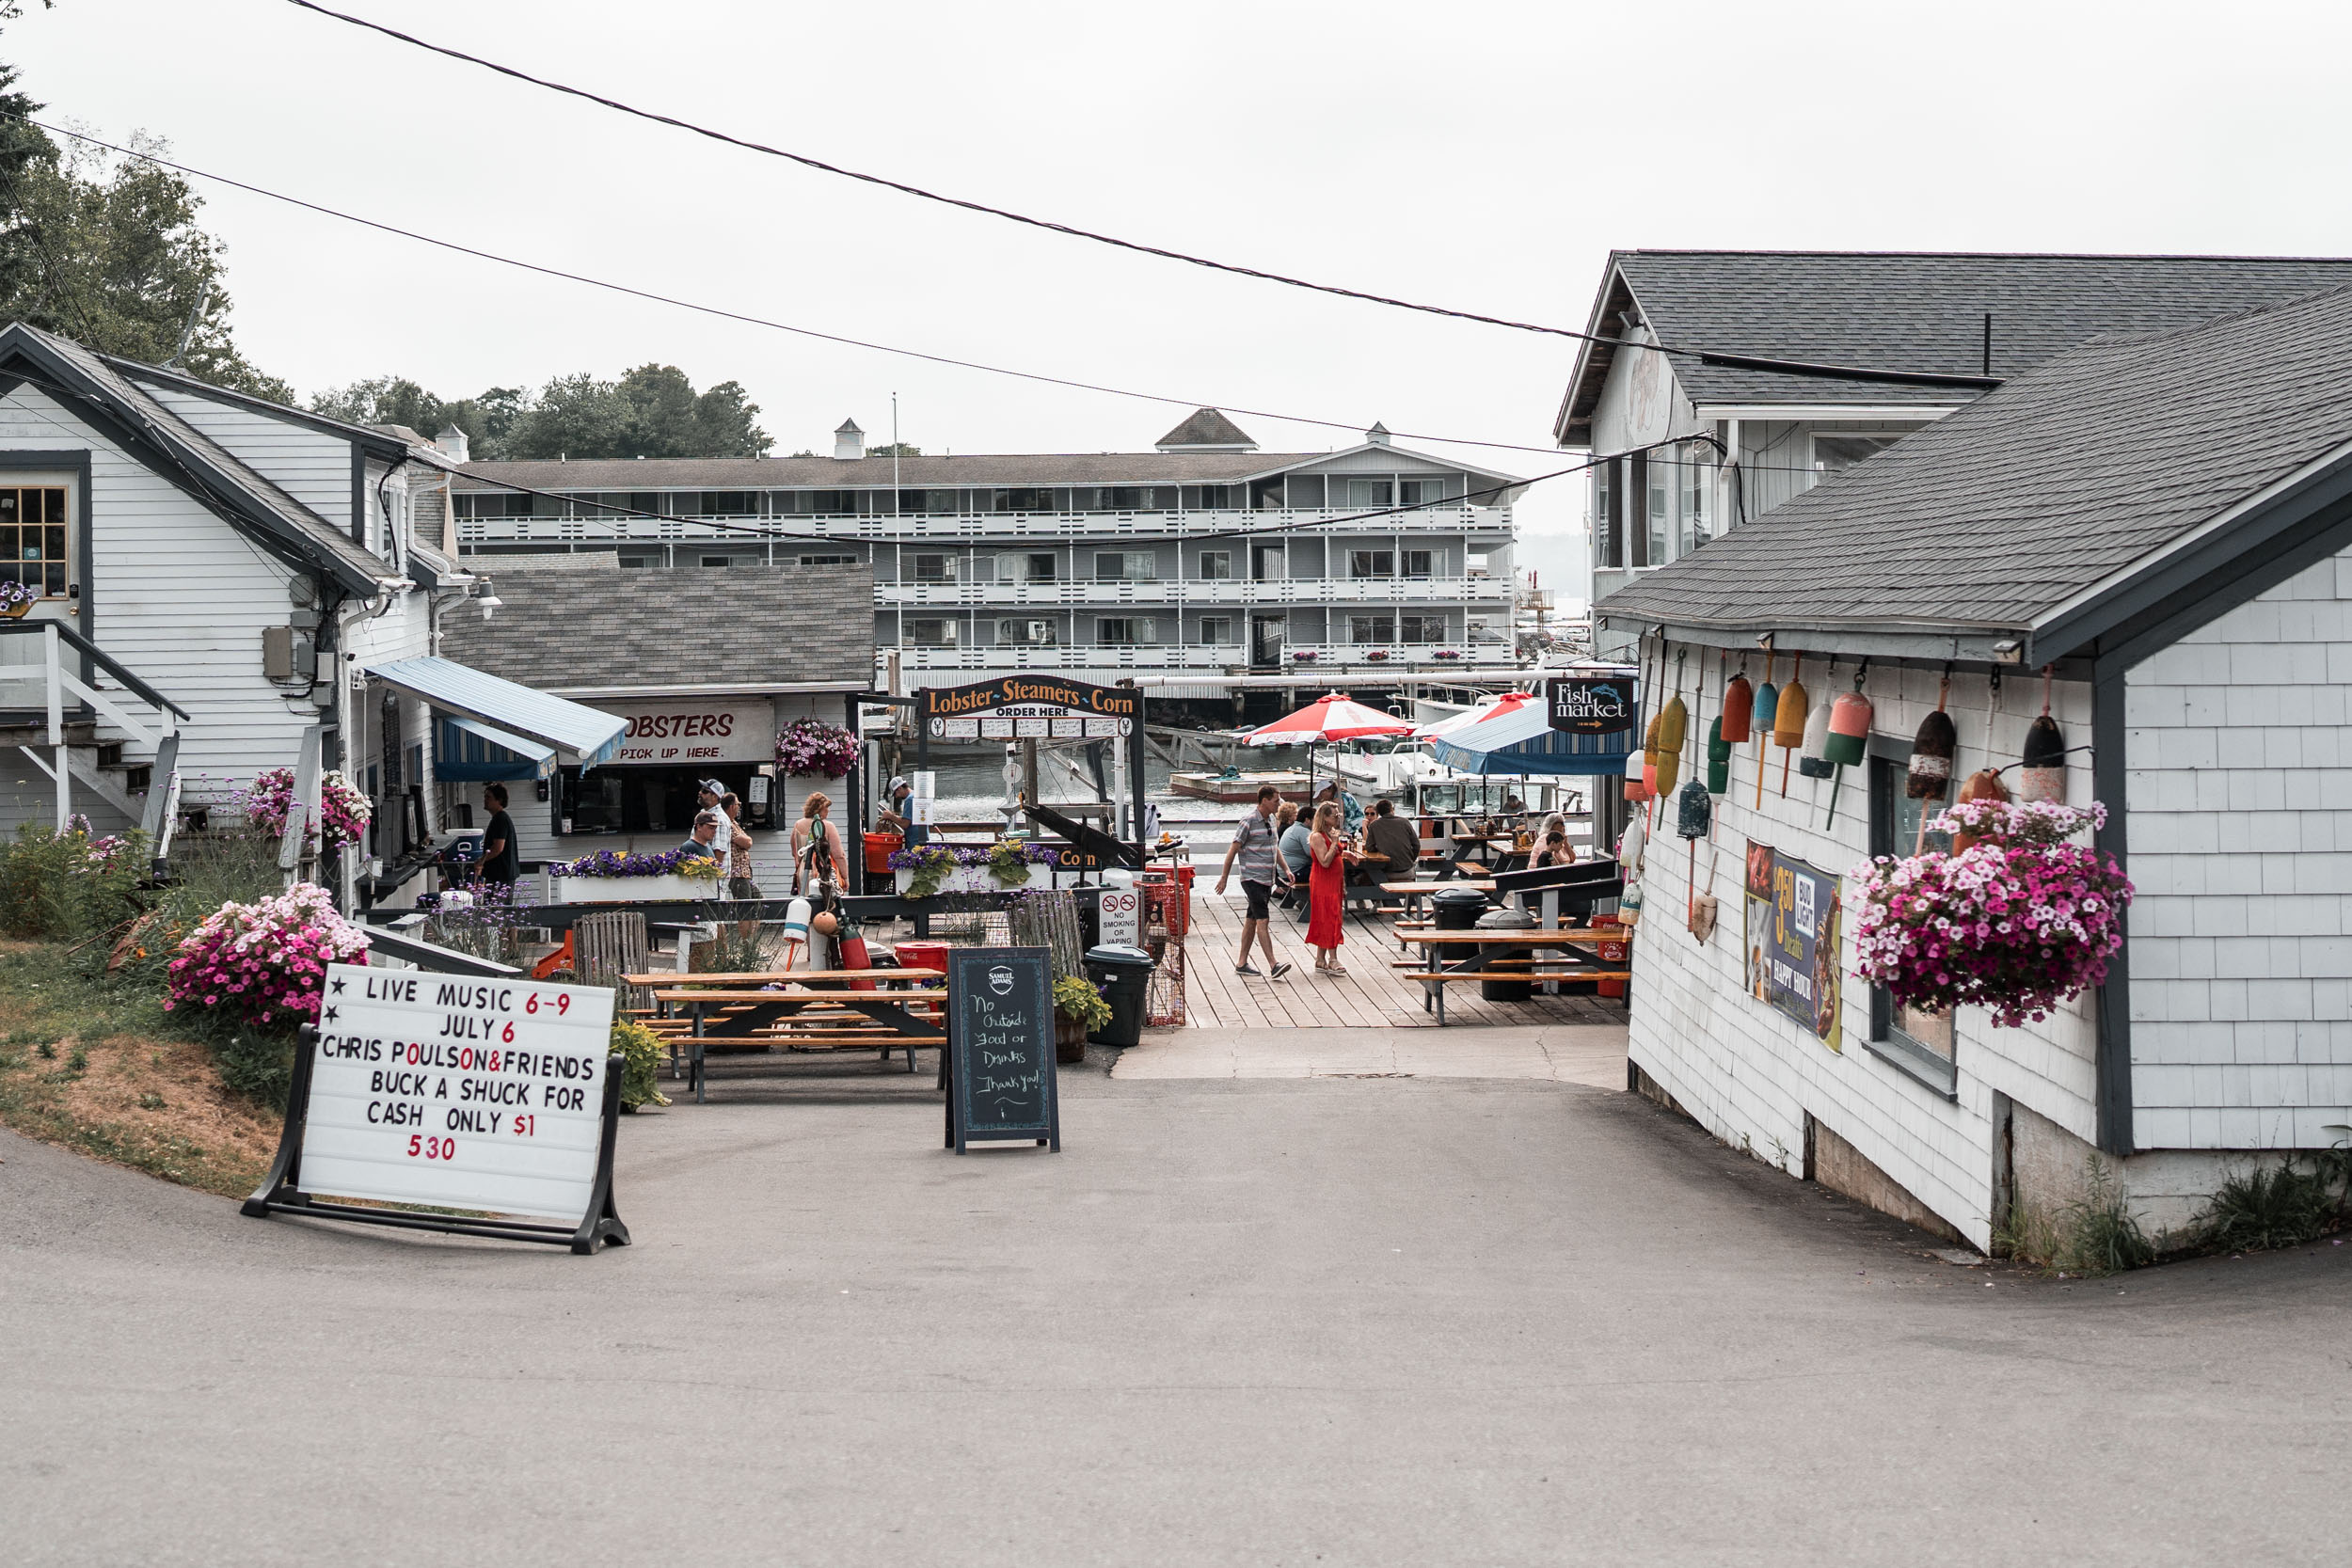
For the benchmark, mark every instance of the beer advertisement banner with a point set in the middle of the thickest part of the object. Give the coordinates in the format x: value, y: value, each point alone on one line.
x: 1792, y: 940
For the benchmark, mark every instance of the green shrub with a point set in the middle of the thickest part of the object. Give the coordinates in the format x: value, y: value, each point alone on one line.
x: 2278, y: 1206
x: 642, y: 1051
x: 258, y: 1066
x: 68, y: 886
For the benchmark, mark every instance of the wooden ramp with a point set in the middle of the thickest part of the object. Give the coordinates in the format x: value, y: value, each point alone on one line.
x: 1371, y: 995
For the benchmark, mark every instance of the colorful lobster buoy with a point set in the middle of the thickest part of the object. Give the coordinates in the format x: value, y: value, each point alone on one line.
x: 1738, y: 709
x: 1674, y: 731
x: 1933, y: 751
x: 1813, y: 754
x: 1635, y: 791
x: 1718, y: 757
x: 1984, y: 784
x: 1789, y: 716
x: 1848, y: 730
x: 2044, y: 775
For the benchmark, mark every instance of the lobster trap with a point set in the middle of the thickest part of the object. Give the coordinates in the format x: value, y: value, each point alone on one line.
x: 1167, y: 916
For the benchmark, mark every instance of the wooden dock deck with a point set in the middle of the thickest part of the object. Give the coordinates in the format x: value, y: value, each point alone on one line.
x: 1371, y: 994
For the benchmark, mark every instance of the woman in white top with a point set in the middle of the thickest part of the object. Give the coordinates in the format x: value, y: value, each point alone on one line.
x: 817, y: 853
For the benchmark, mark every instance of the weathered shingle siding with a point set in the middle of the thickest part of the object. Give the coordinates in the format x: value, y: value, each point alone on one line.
x: 1750, y: 1074
x: 2239, y: 745
x: 311, y: 466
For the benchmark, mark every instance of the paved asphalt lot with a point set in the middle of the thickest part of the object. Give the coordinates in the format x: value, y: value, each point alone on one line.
x: 1383, y: 1321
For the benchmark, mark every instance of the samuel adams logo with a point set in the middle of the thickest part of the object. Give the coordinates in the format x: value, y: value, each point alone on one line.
x: 1000, y: 980
x: 1602, y: 706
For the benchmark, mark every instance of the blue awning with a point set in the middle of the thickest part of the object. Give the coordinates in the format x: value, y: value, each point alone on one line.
x: 581, y: 734
x: 466, y: 750
x: 1524, y: 743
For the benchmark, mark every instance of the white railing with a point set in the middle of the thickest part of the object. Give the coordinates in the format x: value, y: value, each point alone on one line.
x: 1102, y: 591
x: 991, y: 526
x: 1226, y: 658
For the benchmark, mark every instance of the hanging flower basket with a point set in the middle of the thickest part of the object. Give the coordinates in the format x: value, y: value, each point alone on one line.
x: 2019, y: 922
x: 16, y: 598
x: 813, y: 746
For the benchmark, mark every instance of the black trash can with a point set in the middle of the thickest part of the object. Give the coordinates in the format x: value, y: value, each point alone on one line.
x: 1508, y: 985
x: 1125, y: 975
x: 1457, y: 908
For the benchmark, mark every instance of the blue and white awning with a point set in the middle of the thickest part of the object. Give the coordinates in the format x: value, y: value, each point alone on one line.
x: 466, y: 751
x: 578, y: 733
x: 1524, y: 744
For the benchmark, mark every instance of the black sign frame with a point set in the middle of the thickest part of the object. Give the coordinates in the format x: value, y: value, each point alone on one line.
x: 1574, y: 703
x: 974, y: 983
x: 281, y: 1190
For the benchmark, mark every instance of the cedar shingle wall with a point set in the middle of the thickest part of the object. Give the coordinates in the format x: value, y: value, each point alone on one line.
x: 2239, y: 742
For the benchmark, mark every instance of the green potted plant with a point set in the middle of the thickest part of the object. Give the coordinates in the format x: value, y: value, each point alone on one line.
x: 1079, y: 1009
x: 925, y: 867
x: 1013, y: 861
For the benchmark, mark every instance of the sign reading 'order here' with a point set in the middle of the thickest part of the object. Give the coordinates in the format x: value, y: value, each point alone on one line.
x: 456, y: 1091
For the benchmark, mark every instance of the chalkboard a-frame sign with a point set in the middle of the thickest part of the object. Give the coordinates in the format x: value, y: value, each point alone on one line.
x: 1000, y: 1047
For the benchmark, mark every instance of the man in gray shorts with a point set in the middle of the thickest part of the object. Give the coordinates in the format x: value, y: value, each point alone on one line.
x: 1253, y: 845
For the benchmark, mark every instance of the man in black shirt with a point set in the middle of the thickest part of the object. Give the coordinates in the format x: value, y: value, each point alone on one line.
x: 499, y: 862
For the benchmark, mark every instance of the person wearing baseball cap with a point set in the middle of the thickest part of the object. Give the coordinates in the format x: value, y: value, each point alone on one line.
x: 708, y: 794
x: 897, y: 816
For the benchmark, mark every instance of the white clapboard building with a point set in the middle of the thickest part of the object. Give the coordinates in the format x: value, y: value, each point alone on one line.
x: 2163, y: 522
x: 220, y: 583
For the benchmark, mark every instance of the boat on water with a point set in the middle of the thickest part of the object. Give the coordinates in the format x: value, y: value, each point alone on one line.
x: 1235, y: 787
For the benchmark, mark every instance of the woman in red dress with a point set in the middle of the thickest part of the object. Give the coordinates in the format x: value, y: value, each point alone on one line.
x: 1327, y: 886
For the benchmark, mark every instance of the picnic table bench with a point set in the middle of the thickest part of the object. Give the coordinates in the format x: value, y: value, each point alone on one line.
x: 809, y: 1009
x: 1484, y: 957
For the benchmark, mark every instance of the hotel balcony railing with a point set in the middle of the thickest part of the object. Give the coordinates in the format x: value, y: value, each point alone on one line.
x: 992, y: 528
x: 1083, y: 591
x: 1225, y: 657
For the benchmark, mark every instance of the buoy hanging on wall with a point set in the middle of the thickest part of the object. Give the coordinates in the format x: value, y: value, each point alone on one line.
x: 1813, y: 758
x: 2044, y: 776
x: 1739, y: 708
x: 1649, y: 759
x: 1718, y: 757
x: 1788, y: 713
x: 1848, y: 730
x: 1634, y: 789
x: 1933, y: 751
x: 1984, y: 784
x: 1673, y: 732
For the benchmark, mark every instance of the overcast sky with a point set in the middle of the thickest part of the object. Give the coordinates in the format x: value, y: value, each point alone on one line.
x: 1481, y: 156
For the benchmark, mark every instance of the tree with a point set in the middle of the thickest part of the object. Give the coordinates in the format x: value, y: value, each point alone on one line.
x: 118, y: 263
x: 653, y: 411
x: 487, y: 419
x: 892, y: 449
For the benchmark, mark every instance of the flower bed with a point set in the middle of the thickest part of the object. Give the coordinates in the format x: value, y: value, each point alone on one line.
x: 263, y: 962
x: 615, y: 877
x: 2019, y: 922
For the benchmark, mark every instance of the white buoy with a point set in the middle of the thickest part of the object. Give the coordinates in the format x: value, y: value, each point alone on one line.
x: 796, y: 915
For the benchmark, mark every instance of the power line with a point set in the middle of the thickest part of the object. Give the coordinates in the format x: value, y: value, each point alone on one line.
x: 919, y: 192
x: 726, y: 315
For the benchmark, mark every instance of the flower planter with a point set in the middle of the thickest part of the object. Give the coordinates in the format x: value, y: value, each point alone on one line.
x: 633, y: 890
x: 976, y: 878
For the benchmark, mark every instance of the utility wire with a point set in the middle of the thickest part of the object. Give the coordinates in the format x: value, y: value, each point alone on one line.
x: 738, y: 316
x: 1719, y: 357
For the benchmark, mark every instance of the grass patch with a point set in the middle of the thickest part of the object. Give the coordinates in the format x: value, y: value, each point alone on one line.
x: 89, y: 1061
x: 2276, y: 1206
x: 2096, y: 1234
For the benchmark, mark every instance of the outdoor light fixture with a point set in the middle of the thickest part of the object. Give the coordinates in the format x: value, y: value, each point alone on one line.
x: 2008, y: 652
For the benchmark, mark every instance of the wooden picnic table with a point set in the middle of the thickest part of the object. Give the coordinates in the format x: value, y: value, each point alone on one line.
x: 1479, y: 963
x: 809, y: 1003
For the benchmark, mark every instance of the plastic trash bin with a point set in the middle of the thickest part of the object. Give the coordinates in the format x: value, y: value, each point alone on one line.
x: 1510, y: 986
x: 1457, y: 908
x: 1125, y: 975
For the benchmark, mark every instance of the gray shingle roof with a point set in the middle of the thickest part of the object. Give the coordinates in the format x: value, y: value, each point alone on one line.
x: 577, y: 621
x: 1205, y: 427
x: 993, y: 468
x: 1908, y: 312
x: 2070, y: 474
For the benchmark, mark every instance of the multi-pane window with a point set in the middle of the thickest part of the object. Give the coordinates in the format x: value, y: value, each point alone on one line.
x: 1123, y: 498
x: 1696, y: 478
x: 1372, y: 628
x: 1126, y: 566
x: 1028, y: 567
x: 829, y: 561
x: 1124, y: 631
x: 1608, y: 543
x: 1662, y: 482
x: 1372, y: 563
x: 1015, y: 633
x: 1422, y: 563
x: 1427, y: 492
x: 937, y: 568
x: 1366, y: 492
x: 32, y: 539
x: 1216, y: 565
x: 934, y: 634
x: 1422, y: 628
x: 1217, y: 630
x: 1920, y: 1041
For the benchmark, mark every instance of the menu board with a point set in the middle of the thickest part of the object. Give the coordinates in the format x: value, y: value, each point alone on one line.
x: 1792, y: 940
x: 458, y: 1092
x: 1000, y: 1047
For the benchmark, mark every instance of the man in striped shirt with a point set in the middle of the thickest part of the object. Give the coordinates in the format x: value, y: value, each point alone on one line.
x: 1253, y: 845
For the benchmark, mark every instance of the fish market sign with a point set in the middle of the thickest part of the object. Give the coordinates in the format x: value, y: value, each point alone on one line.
x: 1591, y: 705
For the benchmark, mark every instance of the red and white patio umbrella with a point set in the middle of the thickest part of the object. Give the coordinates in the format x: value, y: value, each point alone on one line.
x: 1333, y: 717
x: 1493, y: 708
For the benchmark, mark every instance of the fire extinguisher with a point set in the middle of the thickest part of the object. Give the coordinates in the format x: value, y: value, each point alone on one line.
x: 852, y: 940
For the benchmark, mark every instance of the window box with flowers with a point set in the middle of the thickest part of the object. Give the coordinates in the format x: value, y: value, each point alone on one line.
x: 612, y: 877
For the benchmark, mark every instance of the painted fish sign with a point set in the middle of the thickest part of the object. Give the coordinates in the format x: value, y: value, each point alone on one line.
x: 421, y: 1091
x: 1000, y: 1047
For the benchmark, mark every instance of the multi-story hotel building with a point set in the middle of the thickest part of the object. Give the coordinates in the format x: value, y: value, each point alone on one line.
x: 1202, y: 555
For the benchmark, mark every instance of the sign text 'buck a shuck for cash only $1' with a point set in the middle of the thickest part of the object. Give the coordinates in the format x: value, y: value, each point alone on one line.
x: 454, y: 1092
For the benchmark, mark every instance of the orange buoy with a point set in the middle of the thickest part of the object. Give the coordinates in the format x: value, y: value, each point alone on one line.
x: 1738, y: 709
x: 1848, y: 729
